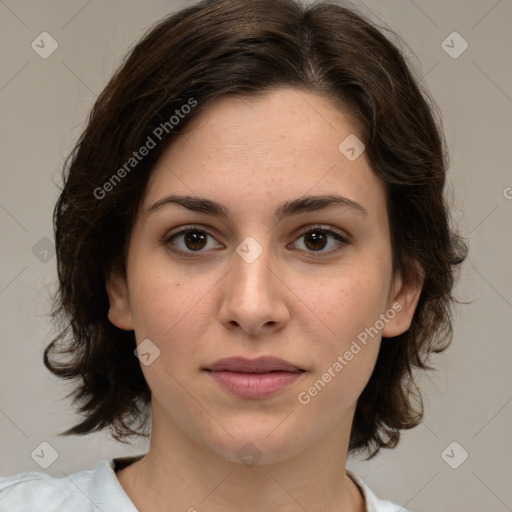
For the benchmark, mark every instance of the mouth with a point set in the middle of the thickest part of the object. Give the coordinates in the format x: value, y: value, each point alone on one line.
x: 264, y: 364
x: 254, y: 378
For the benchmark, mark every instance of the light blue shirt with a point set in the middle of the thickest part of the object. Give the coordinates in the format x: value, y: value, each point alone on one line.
x: 99, y: 490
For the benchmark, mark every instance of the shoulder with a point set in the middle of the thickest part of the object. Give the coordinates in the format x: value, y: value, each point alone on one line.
x: 24, y: 491
x: 374, y: 504
x: 81, y: 492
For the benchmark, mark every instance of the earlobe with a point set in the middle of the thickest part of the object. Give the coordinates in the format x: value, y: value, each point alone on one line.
x: 119, y: 312
x: 403, y: 301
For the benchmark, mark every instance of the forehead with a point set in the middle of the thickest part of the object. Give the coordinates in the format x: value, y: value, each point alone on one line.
x: 261, y: 150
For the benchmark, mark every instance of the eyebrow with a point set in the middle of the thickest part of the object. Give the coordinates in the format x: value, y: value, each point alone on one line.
x: 286, y: 209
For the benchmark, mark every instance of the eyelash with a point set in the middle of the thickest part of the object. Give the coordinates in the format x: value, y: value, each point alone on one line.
x: 343, y: 241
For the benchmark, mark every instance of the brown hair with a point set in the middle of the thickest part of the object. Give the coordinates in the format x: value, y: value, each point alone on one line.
x: 246, y: 47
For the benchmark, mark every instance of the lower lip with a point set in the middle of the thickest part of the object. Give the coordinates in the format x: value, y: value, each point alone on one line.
x: 254, y: 385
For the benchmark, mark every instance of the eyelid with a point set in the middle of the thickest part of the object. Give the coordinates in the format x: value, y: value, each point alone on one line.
x: 326, y: 228
x: 185, y: 229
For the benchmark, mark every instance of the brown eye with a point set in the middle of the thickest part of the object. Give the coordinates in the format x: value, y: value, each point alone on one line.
x: 190, y: 240
x: 317, y: 238
x: 195, y: 240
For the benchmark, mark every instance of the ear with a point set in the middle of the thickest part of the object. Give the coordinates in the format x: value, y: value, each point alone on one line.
x: 119, y: 312
x: 403, y: 300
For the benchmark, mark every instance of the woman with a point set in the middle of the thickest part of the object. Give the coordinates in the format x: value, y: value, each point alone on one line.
x: 255, y: 211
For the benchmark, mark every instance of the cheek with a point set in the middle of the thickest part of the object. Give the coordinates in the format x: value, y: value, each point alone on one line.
x: 331, y: 393
x: 350, y: 306
x: 350, y: 303
x: 171, y: 310
x: 347, y: 351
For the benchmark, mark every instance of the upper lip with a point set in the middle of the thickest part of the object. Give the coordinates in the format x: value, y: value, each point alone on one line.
x: 262, y: 364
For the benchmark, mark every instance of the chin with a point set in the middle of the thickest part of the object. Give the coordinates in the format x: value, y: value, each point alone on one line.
x: 253, y: 444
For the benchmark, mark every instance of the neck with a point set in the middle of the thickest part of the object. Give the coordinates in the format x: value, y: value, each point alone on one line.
x: 179, y: 474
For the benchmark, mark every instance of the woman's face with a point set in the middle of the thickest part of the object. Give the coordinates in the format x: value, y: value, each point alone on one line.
x: 264, y: 279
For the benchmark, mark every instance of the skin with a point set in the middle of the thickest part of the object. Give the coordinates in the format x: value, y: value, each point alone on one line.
x: 251, y: 154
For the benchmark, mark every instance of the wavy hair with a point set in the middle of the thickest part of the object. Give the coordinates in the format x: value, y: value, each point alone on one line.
x: 247, y: 47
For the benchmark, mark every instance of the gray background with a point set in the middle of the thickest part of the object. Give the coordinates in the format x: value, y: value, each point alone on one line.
x: 44, y: 104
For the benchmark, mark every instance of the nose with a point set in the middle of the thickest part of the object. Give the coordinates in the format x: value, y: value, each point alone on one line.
x: 254, y: 296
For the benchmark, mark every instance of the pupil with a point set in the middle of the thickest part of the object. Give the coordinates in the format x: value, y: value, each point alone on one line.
x: 316, y: 237
x: 195, y: 240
